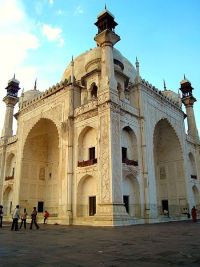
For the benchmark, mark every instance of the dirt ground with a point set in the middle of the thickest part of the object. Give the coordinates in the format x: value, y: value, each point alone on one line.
x: 166, y: 244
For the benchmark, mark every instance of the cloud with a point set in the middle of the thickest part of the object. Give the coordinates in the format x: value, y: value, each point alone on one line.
x: 16, y: 40
x: 53, y: 34
x: 59, y: 12
x: 78, y: 10
x: 51, y: 2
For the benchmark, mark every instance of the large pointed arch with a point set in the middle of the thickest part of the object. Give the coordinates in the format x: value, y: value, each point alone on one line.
x: 169, y: 170
x: 39, y: 184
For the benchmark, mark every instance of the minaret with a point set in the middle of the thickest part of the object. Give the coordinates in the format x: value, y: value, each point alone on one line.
x: 164, y: 85
x: 188, y: 100
x: 106, y: 38
x: 10, y: 99
x: 137, y: 65
x: 72, y: 71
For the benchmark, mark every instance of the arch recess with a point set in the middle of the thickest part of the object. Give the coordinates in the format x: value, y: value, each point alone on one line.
x: 86, y: 189
x: 131, y: 196
x: 7, y: 200
x: 129, y: 146
x: 169, y: 170
x: 193, y: 169
x: 39, y: 184
x: 87, y: 145
x: 10, y: 166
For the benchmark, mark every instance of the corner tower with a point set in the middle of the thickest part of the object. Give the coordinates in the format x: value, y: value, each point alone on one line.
x: 11, y: 100
x: 111, y: 209
x: 106, y: 38
x: 188, y: 100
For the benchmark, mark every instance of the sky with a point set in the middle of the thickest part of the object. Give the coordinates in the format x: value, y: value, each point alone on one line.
x: 38, y: 39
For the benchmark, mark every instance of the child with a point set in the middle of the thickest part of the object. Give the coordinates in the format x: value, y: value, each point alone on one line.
x: 46, y: 215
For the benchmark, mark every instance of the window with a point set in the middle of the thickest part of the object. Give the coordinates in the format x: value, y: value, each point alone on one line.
x: 92, y: 153
x: 124, y: 153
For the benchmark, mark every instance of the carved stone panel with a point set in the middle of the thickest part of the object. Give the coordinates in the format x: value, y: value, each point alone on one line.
x: 104, y: 160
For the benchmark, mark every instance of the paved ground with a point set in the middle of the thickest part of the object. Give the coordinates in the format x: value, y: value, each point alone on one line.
x: 167, y: 244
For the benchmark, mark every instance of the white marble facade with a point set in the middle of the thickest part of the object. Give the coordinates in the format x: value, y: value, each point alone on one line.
x: 102, y: 147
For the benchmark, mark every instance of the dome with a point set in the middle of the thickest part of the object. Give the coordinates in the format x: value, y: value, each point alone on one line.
x: 91, y: 59
x: 173, y: 96
x: 30, y: 94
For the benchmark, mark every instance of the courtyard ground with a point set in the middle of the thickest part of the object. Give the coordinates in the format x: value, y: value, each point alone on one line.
x: 166, y: 244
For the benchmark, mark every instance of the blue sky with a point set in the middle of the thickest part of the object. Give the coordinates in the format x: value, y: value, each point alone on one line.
x: 38, y: 38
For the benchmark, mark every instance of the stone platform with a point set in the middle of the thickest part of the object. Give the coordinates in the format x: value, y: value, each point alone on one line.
x: 152, y: 245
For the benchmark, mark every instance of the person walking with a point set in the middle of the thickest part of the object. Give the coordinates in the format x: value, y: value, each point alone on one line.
x: 34, y: 218
x: 194, y: 214
x: 15, y: 218
x: 1, y: 215
x: 46, y: 215
x: 23, y: 218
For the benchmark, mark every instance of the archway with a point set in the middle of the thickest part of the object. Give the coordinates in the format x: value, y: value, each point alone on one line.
x: 7, y: 200
x: 168, y: 162
x: 39, y: 175
x: 87, y: 196
x: 131, y: 196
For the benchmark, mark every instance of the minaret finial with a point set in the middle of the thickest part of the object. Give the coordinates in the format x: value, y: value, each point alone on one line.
x: 164, y: 85
x: 35, y: 85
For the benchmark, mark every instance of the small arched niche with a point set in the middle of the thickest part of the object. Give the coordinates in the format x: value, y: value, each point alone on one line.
x: 129, y: 146
x: 10, y: 166
x: 131, y: 196
x: 193, y: 171
x: 87, y: 147
x: 86, y: 196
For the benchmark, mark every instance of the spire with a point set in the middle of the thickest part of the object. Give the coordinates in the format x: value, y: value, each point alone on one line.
x: 105, y: 7
x: 14, y: 76
x: 35, y: 85
x: 184, y: 77
x: 72, y: 70
x: 137, y: 64
x: 164, y: 85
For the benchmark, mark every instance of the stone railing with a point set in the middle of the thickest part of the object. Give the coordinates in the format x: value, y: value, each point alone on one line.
x: 12, y: 139
x: 130, y: 162
x: 7, y: 178
x: 85, y: 108
x: 85, y: 163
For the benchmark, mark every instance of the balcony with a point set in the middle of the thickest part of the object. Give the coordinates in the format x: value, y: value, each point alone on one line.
x: 7, y: 178
x: 193, y: 177
x: 130, y: 162
x: 85, y: 163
